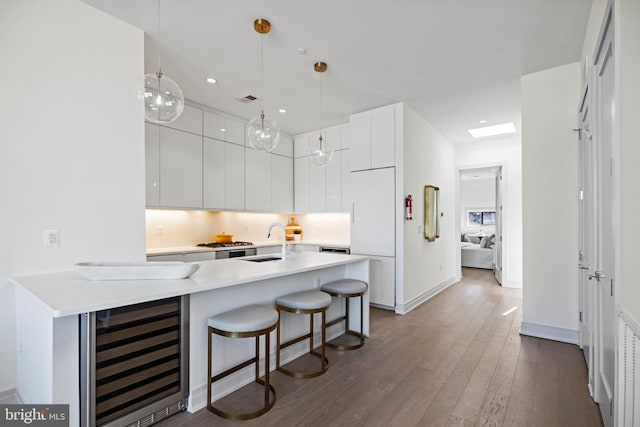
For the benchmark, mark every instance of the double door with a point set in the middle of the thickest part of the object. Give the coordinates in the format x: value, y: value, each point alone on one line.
x: 597, y: 230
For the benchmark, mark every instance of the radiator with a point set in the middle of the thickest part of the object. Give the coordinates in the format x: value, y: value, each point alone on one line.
x: 628, y: 371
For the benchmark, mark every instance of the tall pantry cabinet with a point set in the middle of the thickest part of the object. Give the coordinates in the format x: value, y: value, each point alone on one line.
x: 373, y: 211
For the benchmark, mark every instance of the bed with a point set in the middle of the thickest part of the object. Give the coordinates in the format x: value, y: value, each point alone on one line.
x: 477, y: 255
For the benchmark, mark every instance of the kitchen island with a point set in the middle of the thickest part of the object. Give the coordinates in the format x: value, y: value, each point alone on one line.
x: 49, y: 306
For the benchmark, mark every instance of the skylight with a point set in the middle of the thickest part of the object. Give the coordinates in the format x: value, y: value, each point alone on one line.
x: 494, y: 130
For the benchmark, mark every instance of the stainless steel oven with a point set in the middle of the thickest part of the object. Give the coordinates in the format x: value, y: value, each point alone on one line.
x: 235, y: 253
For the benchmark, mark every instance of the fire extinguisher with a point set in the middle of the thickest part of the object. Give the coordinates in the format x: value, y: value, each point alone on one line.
x: 408, y: 207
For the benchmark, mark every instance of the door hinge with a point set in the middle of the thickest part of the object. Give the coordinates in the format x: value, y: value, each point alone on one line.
x: 580, y: 316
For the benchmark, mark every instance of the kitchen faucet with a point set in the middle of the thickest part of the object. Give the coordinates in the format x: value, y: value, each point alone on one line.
x: 284, y: 240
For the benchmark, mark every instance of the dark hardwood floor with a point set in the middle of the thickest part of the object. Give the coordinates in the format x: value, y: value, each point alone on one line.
x: 456, y: 360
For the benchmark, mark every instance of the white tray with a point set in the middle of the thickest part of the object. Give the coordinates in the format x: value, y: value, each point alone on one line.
x: 136, y: 270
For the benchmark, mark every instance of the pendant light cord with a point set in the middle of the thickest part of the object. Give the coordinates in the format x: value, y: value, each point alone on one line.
x: 159, y: 50
x: 321, y: 120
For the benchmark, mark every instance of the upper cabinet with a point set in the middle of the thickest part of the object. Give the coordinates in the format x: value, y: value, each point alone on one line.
x: 189, y: 121
x: 180, y: 169
x: 222, y: 128
x: 258, y: 184
x: 372, y: 139
x: 322, y: 189
x: 152, y: 164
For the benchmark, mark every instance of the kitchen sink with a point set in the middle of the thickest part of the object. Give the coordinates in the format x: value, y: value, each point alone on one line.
x: 263, y: 259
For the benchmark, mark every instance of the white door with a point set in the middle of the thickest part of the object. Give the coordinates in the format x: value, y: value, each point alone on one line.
x: 588, y: 230
x: 605, y: 346
x: 497, y: 265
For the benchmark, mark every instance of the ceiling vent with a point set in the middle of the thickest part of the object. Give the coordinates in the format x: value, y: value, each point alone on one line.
x: 247, y: 99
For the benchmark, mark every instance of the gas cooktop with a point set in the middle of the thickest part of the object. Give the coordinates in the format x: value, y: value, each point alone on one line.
x: 223, y: 245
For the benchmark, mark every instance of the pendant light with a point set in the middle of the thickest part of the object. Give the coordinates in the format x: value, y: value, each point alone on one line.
x: 163, y: 98
x: 320, y: 149
x: 262, y: 131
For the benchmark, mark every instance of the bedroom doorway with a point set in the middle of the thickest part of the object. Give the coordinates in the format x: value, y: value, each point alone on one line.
x: 481, y: 219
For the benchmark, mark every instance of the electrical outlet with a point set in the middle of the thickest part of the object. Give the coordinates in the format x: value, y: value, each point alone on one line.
x: 246, y: 228
x: 160, y: 231
x: 51, y: 238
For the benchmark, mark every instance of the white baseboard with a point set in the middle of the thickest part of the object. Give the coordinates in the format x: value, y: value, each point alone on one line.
x: 417, y: 301
x: 198, y: 396
x: 511, y: 284
x: 570, y: 336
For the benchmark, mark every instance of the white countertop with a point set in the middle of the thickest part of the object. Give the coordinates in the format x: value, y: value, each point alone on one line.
x: 67, y: 293
x: 262, y: 243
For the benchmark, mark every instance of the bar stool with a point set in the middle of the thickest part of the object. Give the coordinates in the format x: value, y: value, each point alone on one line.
x: 305, y: 302
x: 347, y: 288
x: 244, y: 322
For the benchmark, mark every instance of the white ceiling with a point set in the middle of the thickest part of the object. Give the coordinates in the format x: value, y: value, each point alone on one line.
x: 455, y: 62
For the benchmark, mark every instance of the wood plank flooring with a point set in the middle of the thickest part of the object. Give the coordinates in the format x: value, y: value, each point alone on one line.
x: 456, y: 360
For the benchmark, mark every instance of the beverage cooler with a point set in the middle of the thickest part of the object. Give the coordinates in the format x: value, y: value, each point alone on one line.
x: 134, y: 363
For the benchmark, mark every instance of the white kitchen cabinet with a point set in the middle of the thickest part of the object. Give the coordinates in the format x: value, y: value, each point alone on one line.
x: 373, y: 138
x: 301, y: 145
x: 214, y: 126
x: 345, y: 137
x: 234, y: 131
x: 189, y: 121
x: 258, y: 180
x: 373, y: 212
x: 345, y: 181
x: 284, y: 147
x: 301, y: 184
x: 317, y: 188
x: 152, y: 164
x: 382, y: 283
x: 281, y: 183
x: 180, y: 169
x: 214, y: 185
x: 234, y: 176
x: 333, y: 183
x: 334, y: 136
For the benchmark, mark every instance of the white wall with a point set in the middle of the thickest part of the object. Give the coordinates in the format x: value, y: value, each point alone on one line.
x: 72, y: 151
x: 477, y: 194
x: 627, y: 17
x: 506, y: 151
x: 428, y: 159
x: 550, y: 202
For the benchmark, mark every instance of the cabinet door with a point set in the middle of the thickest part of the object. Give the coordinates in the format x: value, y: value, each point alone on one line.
x: 317, y: 187
x: 189, y: 121
x: 301, y: 184
x: 234, y: 131
x: 333, y: 182
x: 301, y: 146
x: 382, y: 281
x: 214, y: 175
x: 345, y: 181
x: 281, y: 183
x: 214, y: 126
x: 360, y: 131
x: 234, y: 176
x: 152, y: 164
x: 284, y: 147
x: 373, y: 212
x: 334, y: 136
x: 345, y: 137
x: 383, y: 135
x: 258, y: 180
x: 180, y: 169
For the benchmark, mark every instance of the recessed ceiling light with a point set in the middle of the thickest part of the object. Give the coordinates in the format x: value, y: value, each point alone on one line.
x: 211, y: 80
x: 282, y: 110
x: 494, y: 130
x: 482, y: 122
x: 302, y: 51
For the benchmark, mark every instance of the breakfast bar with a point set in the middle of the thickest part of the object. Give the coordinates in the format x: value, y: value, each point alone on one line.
x: 50, y: 308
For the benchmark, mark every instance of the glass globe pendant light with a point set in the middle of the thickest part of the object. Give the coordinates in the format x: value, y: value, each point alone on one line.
x: 263, y: 133
x: 320, y: 150
x: 163, y: 98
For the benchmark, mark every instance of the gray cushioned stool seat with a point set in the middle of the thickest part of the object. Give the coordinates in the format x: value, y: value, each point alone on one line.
x: 305, y: 300
x: 245, y: 319
x: 345, y: 286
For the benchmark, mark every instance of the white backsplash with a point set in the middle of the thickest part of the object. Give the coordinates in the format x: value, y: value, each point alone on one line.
x: 175, y: 228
